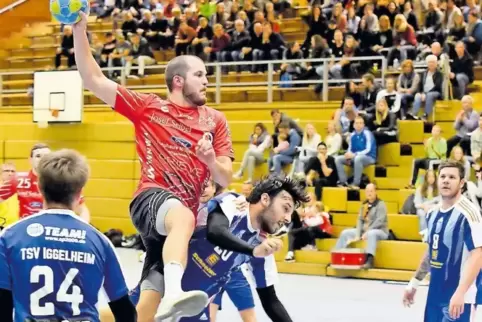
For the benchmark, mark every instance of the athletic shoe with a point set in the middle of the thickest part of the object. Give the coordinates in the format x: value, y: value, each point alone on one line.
x: 188, y: 304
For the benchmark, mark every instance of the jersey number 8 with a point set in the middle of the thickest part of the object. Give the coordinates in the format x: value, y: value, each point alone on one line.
x: 75, y: 298
x: 435, y: 241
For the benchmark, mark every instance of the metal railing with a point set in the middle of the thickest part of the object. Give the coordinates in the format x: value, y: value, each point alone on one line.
x: 326, y: 80
x: 11, y: 6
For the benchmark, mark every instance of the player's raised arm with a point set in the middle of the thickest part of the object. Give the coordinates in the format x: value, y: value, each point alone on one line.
x: 92, y: 76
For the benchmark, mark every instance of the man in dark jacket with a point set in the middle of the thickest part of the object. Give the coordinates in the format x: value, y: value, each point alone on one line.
x: 368, y: 96
x: 429, y: 89
x: 461, y: 70
x: 239, y: 38
x: 272, y: 46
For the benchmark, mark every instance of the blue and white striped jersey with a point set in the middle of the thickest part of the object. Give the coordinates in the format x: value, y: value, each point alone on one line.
x: 453, y: 234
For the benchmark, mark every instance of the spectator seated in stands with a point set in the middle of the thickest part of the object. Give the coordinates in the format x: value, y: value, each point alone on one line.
x: 220, y: 41
x: 66, y: 48
x: 240, y: 38
x: 384, y: 39
x: 220, y: 17
x: 392, y: 98
x: 165, y: 36
x: 203, y: 38
x: 140, y: 55
x: 429, y: 90
x: 284, y: 157
x: 320, y: 171
x: 307, y: 150
x: 333, y: 139
x: 458, y: 156
x: 107, y: 49
x: 315, y: 223
x: 426, y: 196
x: 466, y: 121
x: 473, y: 39
x: 435, y: 152
x: 129, y: 26
x: 461, y: 70
x: 184, y: 38
x: 346, y: 68
x: 352, y: 90
x: 272, y: 46
x: 384, y: 125
x: 283, y: 145
x: 292, y: 69
x: 476, y: 143
x: 344, y: 119
x: 407, y: 86
x: 246, y: 189
x: 279, y: 118
x: 404, y: 40
x: 313, y: 70
x: 118, y: 57
x: 372, y: 225
x: 456, y: 33
x: 369, y: 95
x: 433, y: 24
x: 259, y: 141
x: 362, y: 152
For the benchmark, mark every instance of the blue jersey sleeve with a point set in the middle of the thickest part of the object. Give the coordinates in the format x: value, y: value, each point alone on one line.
x: 5, y: 278
x: 264, y: 271
x: 472, y: 228
x: 114, y: 282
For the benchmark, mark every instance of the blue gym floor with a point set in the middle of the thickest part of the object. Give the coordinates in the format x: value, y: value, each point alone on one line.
x: 320, y: 299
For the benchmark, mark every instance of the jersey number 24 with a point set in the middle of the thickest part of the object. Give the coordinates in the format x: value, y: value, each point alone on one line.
x: 75, y: 298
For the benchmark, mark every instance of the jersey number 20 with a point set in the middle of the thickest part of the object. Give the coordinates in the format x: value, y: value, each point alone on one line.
x: 74, y: 298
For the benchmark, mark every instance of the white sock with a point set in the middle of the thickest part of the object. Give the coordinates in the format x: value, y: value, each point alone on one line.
x: 173, y: 272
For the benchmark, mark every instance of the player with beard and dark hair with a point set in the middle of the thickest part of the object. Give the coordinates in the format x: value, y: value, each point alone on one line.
x: 181, y: 144
x: 454, y: 254
x: 235, y: 235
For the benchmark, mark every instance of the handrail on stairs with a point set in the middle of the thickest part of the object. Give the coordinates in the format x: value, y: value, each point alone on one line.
x: 11, y: 6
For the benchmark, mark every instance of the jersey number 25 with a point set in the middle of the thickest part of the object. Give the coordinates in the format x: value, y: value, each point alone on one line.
x: 75, y: 298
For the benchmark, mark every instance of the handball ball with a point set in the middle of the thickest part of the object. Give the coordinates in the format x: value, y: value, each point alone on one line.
x: 67, y: 11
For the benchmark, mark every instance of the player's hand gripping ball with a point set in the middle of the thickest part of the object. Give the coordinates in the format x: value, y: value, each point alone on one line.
x: 67, y: 11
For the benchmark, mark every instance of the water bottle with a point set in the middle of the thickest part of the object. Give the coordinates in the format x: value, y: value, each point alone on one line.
x: 396, y: 63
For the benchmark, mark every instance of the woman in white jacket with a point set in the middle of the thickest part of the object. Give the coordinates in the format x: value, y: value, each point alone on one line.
x: 307, y: 150
x: 259, y: 141
x: 391, y: 96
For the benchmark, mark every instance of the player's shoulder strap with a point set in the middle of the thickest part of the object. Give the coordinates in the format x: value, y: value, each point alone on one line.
x: 468, y: 210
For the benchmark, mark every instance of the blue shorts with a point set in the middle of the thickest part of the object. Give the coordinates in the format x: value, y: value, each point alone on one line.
x: 239, y: 292
x: 134, y: 294
x: 439, y: 313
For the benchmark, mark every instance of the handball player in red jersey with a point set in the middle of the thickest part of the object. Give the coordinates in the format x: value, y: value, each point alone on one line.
x: 25, y: 185
x: 181, y: 143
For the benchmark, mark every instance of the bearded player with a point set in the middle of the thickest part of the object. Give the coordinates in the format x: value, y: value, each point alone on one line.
x: 454, y: 255
x: 234, y: 235
x: 181, y: 143
x: 25, y: 185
